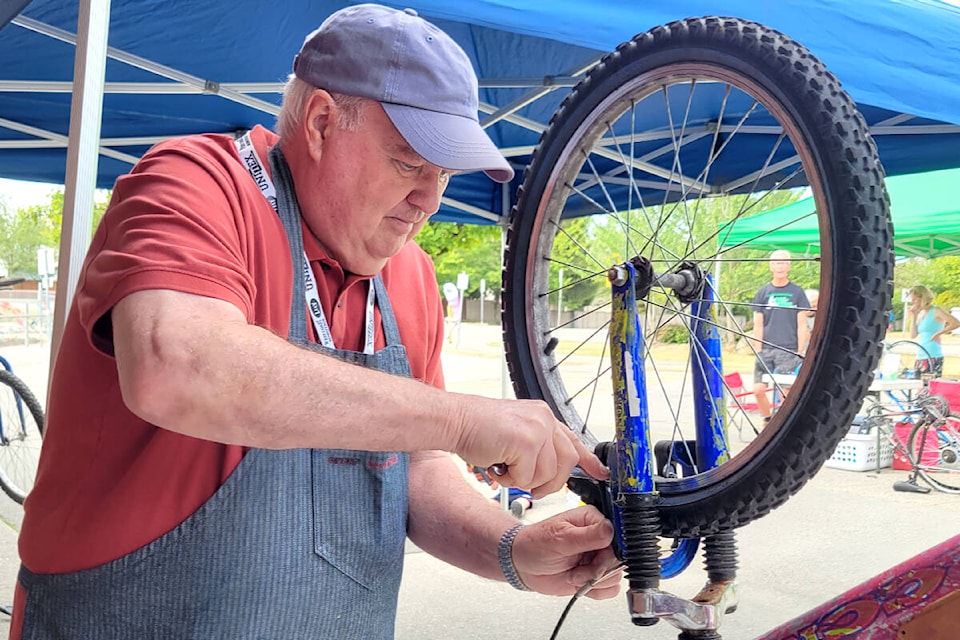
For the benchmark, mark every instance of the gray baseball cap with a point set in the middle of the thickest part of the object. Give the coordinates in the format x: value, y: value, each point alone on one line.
x: 423, y: 79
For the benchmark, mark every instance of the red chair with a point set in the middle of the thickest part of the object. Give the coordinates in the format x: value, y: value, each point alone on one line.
x: 740, y: 401
x: 738, y: 390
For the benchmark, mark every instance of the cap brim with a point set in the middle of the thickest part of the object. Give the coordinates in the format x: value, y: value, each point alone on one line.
x: 449, y: 141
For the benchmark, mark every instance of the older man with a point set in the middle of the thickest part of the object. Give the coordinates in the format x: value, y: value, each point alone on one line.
x: 780, y: 331
x: 216, y: 463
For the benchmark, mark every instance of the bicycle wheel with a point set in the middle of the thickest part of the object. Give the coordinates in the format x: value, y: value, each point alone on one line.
x: 936, y: 451
x: 21, y: 428
x: 664, y: 147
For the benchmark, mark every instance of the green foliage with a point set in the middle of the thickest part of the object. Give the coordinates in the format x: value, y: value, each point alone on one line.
x: 456, y: 248
x: 948, y: 299
x: 586, y: 246
x: 25, y: 230
x: 580, y: 286
x: 942, y: 275
x: 673, y: 334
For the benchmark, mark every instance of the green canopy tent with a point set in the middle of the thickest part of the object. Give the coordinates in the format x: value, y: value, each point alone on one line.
x: 925, y: 208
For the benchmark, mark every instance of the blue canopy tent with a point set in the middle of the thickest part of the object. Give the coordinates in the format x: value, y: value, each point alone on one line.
x: 175, y: 67
x: 178, y: 67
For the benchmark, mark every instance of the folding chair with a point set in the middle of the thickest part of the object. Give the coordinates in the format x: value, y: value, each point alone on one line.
x: 740, y: 401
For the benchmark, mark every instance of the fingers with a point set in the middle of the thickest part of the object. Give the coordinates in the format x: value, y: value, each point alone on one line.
x: 537, y: 450
x: 589, y: 462
x: 600, y: 568
x: 554, y: 463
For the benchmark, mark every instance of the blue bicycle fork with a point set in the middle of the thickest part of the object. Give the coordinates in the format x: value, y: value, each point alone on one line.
x: 630, y: 498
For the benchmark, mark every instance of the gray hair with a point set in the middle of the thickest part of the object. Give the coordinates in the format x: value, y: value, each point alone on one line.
x: 295, y: 95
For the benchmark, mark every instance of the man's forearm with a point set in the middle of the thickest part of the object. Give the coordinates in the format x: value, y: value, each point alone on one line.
x: 182, y: 374
x: 466, y: 535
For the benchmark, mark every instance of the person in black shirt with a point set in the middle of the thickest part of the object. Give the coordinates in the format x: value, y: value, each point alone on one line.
x: 780, y: 328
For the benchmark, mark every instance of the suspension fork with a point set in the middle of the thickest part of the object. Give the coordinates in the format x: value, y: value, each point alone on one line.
x: 632, y: 460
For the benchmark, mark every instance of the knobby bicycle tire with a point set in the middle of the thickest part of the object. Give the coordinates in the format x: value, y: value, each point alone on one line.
x: 22, y: 429
x: 592, y: 175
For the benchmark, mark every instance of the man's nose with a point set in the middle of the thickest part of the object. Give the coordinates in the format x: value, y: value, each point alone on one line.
x: 428, y: 191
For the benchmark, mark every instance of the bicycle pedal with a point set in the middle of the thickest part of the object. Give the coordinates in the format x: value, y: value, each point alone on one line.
x: 909, y: 487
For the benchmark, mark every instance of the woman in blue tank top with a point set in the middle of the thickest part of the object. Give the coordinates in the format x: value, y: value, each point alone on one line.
x: 927, y: 323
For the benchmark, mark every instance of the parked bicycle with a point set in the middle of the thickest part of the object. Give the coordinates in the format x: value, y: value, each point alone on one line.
x: 21, y: 430
x: 920, y: 426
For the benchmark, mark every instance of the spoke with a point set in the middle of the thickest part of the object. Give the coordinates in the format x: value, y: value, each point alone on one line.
x: 603, y: 187
x: 579, y: 346
x: 580, y: 246
x: 577, y: 267
x: 590, y: 383
x: 574, y: 283
x: 596, y: 380
x: 582, y: 315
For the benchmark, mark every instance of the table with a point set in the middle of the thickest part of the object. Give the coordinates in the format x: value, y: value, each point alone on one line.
x: 879, y: 385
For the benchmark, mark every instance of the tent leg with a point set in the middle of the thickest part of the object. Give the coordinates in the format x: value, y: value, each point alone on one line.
x: 93, y: 24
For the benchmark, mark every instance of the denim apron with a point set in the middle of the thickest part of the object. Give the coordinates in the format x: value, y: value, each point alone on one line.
x: 299, y: 543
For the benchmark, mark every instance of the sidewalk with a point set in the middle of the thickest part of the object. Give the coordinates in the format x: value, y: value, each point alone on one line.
x: 841, y: 529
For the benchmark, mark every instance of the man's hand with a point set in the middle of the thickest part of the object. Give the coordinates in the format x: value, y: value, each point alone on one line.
x: 561, y: 554
x: 537, y: 450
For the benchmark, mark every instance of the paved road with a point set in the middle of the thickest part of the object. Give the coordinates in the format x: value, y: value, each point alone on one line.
x: 841, y: 529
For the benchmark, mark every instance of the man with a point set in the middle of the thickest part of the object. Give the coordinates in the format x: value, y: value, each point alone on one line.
x: 202, y: 477
x: 780, y: 329
x: 813, y: 297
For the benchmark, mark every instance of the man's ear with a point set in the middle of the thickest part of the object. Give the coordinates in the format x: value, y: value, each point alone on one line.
x: 319, y: 120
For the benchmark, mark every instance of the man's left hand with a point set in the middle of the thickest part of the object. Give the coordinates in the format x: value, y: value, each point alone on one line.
x: 559, y: 555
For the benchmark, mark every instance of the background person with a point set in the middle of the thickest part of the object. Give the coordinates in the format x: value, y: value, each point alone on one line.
x: 927, y: 323
x: 779, y: 327
x: 813, y: 298
x: 246, y: 415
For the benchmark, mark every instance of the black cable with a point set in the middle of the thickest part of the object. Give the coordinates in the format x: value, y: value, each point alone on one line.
x: 581, y: 591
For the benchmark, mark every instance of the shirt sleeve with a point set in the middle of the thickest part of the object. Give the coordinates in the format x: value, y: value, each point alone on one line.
x: 171, y: 224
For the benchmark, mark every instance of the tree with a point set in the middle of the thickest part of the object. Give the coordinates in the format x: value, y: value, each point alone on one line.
x: 456, y: 248
x: 25, y: 230
x: 942, y: 275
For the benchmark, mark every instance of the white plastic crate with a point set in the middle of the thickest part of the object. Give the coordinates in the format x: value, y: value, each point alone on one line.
x: 859, y: 453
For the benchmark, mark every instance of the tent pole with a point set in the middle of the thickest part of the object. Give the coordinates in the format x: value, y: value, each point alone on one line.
x: 506, y: 389
x: 86, y: 108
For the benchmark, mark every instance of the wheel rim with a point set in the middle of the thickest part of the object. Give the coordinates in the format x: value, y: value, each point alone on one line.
x: 574, y: 369
x: 939, y: 463
x: 19, y: 445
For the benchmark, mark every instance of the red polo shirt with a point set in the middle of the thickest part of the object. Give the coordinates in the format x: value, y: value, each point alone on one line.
x: 187, y: 218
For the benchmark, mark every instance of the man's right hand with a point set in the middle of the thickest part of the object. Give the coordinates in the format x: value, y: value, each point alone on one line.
x: 537, y: 450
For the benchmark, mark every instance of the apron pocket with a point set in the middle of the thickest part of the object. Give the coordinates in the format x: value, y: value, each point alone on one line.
x: 360, y: 513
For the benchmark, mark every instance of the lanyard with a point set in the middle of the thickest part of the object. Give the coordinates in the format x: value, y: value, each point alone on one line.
x: 262, y: 179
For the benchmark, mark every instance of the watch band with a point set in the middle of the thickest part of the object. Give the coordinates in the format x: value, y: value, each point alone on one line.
x: 505, y: 555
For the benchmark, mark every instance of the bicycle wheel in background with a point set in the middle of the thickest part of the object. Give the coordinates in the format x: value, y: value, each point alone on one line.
x: 21, y: 428
x: 667, y: 144
x: 936, y: 450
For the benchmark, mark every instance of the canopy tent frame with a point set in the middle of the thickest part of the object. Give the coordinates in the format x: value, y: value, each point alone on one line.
x: 925, y: 211
x: 94, y: 21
